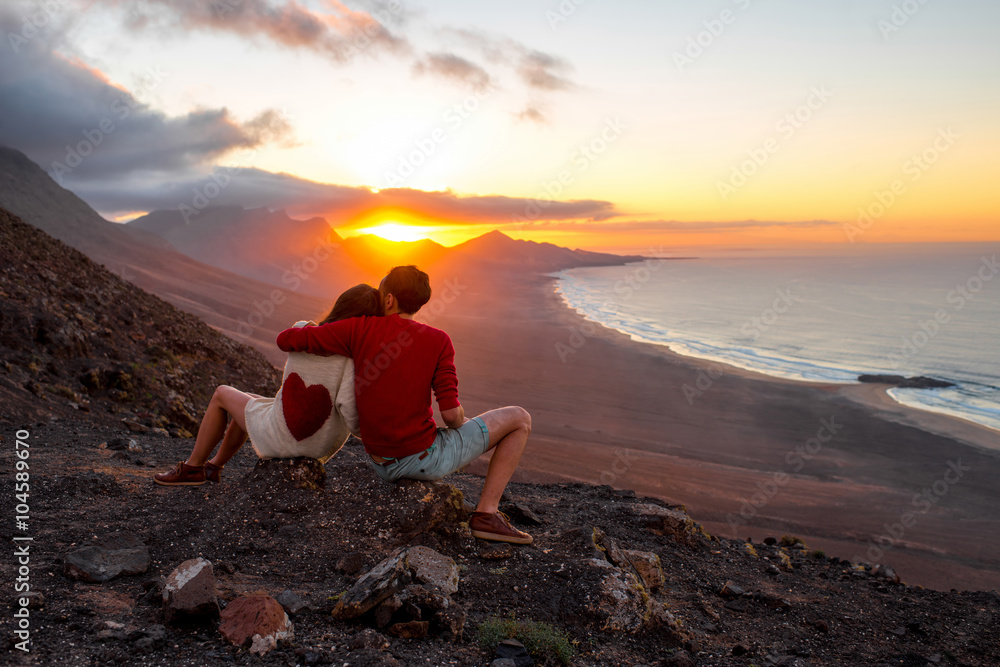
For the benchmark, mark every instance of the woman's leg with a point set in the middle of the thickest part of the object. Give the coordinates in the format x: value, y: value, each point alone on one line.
x: 226, y: 401
x: 232, y: 441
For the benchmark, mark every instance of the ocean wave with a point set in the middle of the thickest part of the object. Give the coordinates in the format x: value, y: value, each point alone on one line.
x: 969, y: 400
x: 980, y: 407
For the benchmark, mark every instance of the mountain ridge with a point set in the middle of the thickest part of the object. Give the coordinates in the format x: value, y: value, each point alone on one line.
x: 224, y: 300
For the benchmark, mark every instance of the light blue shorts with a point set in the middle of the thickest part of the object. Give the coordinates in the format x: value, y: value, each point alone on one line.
x: 453, y: 449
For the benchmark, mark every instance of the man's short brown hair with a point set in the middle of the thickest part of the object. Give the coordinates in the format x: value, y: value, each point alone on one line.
x: 410, y: 286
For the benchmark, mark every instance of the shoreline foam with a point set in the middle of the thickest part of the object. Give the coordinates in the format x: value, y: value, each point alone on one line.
x: 609, y: 410
x: 784, y: 368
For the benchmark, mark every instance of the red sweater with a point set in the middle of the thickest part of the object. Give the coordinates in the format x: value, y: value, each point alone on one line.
x: 396, y: 364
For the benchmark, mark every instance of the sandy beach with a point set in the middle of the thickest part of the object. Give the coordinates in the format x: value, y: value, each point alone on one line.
x: 845, y: 468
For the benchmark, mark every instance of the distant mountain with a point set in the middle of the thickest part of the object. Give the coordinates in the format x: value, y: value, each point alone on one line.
x: 248, y: 310
x: 251, y: 273
x: 28, y: 192
x: 499, y: 249
x: 262, y: 244
x: 258, y: 243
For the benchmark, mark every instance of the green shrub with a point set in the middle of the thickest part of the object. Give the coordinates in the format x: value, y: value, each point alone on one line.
x: 544, y: 642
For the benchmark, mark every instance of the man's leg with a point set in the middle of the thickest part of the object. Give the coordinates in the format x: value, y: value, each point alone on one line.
x: 225, y: 402
x: 509, y: 429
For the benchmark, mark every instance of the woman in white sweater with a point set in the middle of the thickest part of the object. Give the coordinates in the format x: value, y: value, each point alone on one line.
x: 312, y: 414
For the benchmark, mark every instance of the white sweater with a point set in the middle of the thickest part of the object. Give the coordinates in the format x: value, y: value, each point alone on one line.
x: 312, y: 414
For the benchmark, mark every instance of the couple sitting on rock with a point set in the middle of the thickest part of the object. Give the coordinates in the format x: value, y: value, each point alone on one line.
x: 384, y: 396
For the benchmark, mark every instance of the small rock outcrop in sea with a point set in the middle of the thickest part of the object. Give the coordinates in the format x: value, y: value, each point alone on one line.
x: 919, y: 382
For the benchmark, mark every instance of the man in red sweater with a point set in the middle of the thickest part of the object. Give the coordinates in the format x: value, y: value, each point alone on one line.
x: 397, y: 363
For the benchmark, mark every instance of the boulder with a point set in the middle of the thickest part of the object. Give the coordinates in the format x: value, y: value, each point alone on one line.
x: 680, y: 659
x: 410, y: 629
x: 256, y: 619
x: 731, y: 590
x: 450, y: 623
x: 424, y: 599
x: 369, y: 657
x: 885, y: 572
x: 135, y: 426
x: 643, y: 564
x: 190, y: 592
x: 621, y: 604
x: 430, y: 567
x: 647, y: 565
x: 291, y: 602
x: 121, y: 553
x: 515, y: 652
x: 377, y: 585
x: 671, y: 522
x: 608, y: 547
x: 392, y: 575
x: 521, y: 513
x: 385, y: 610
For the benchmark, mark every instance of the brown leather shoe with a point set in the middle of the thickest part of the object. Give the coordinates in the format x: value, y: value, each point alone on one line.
x: 182, y: 475
x: 213, y: 473
x: 496, y: 528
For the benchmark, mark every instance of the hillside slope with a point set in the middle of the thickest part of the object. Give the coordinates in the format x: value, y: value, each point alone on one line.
x: 243, y: 308
x: 74, y: 336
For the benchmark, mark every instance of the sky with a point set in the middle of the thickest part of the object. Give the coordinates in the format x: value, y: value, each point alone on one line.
x: 631, y: 125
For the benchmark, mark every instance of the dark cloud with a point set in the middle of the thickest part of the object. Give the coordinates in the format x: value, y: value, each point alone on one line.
x: 674, y: 226
x: 340, y: 33
x: 453, y: 67
x: 121, y: 155
x: 542, y: 71
x: 251, y: 188
x: 538, y: 70
x: 80, y: 127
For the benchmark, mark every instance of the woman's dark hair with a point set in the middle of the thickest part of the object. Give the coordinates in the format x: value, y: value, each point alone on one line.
x: 358, y: 301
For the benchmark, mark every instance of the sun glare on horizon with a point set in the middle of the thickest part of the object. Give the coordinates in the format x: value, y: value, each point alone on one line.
x: 395, y: 231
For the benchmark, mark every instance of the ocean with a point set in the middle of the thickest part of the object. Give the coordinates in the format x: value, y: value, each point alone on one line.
x: 904, y: 310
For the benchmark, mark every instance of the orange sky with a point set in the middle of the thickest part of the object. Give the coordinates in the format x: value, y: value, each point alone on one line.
x: 649, y: 123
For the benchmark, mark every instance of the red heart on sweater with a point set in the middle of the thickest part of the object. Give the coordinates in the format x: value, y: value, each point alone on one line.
x: 306, y: 408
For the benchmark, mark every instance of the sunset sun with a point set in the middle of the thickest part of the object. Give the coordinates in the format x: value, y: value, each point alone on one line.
x: 394, y: 231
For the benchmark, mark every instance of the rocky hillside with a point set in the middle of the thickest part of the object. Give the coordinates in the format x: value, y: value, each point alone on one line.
x: 343, y: 569
x: 248, y: 310
x: 75, y: 338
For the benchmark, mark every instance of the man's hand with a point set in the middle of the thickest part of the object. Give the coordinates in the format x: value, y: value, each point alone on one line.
x: 454, y: 417
x: 303, y: 323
